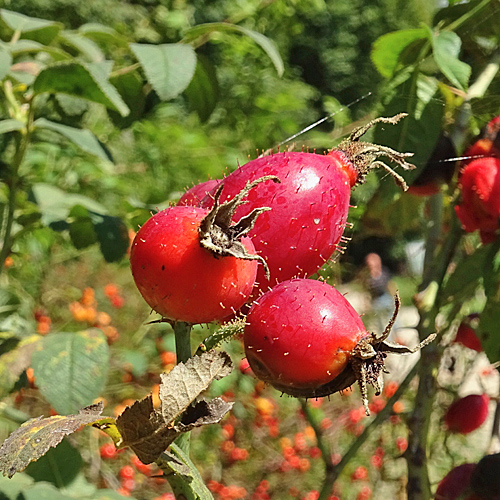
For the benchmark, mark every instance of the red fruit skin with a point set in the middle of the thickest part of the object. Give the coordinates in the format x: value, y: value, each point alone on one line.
x: 467, y: 414
x: 181, y: 280
x: 308, y: 210
x: 301, y: 334
x: 456, y: 484
x: 487, y: 145
x: 466, y: 335
x: 480, y: 207
x: 194, y: 195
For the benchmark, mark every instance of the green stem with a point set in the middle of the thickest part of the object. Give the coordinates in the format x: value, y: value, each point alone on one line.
x: 472, y: 12
x: 182, y: 332
x: 23, y: 139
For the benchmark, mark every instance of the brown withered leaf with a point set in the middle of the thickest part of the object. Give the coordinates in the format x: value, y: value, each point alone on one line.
x: 34, y: 438
x: 143, y: 430
x: 149, y: 433
x: 184, y: 384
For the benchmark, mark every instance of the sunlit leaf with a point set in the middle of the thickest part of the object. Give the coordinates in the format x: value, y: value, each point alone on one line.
x: 33, y: 28
x: 265, y: 43
x: 169, y: 67
x: 10, y: 125
x: 34, y: 438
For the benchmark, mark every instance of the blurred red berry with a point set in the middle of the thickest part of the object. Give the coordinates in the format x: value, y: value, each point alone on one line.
x: 467, y: 414
x: 108, y: 451
x: 466, y: 334
x: 456, y: 484
x: 401, y: 444
x: 127, y: 472
x: 480, y: 206
x: 359, y: 474
x: 364, y: 494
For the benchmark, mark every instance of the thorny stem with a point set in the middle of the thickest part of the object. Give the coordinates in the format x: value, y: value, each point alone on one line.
x: 428, y: 305
x: 182, y: 332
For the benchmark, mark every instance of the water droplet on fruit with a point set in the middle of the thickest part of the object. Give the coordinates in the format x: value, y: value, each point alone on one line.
x: 316, y: 221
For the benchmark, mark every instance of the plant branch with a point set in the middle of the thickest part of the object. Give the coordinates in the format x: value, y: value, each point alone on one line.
x: 182, y: 332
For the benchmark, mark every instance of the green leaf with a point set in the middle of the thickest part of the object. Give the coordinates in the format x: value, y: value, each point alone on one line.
x: 185, y: 480
x: 488, y: 331
x: 81, y: 228
x: 11, y: 125
x: 71, y: 368
x: 169, y: 67
x: 84, y: 139
x: 59, y: 466
x: 131, y: 87
x: 112, y: 235
x: 44, y: 491
x: 466, y: 276
x: 40, y: 30
x: 202, y: 92
x: 103, y: 34
x: 265, y: 43
x: 89, y: 49
x: 30, y: 46
x: 55, y: 204
x: 5, y: 63
x: 387, y: 49
x: 418, y: 133
x: 446, y: 49
x: 79, y: 80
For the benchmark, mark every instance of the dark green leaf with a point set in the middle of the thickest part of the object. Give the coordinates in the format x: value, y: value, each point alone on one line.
x: 82, y: 81
x: 112, y: 235
x: 5, y: 62
x: 131, y: 87
x: 84, y: 139
x: 81, y: 228
x: 466, y: 276
x: 103, y: 34
x: 388, y: 48
x: 186, y: 481
x: 169, y: 67
x: 419, y: 132
x: 71, y: 368
x: 265, y: 43
x: 12, y: 488
x: 10, y: 125
x: 40, y: 30
x: 488, y: 330
x: 446, y: 49
x: 58, y: 466
x: 202, y: 92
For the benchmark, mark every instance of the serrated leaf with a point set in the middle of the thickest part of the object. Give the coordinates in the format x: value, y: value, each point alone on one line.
x: 79, y: 80
x: 144, y: 431
x: 185, y: 480
x: 34, y: 438
x: 265, y: 43
x: 169, y: 67
x: 5, y: 63
x: 33, y: 28
x: 83, y: 138
x: 186, y: 381
x: 202, y: 92
x: 446, y: 49
x: 84, y: 45
x: 71, y: 368
x: 11, y: 125
x: 388, y: 48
